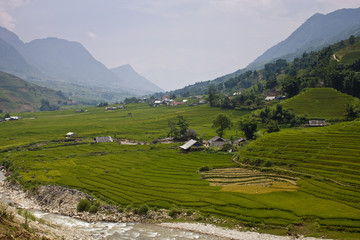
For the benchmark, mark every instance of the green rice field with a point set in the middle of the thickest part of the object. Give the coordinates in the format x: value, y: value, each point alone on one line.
x: 320, y: 103
x: 321, y: 164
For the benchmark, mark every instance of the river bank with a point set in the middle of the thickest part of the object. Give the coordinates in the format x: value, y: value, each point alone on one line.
x: 50, y: 201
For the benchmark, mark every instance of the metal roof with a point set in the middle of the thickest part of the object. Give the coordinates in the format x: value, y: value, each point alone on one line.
x: 189, y: 144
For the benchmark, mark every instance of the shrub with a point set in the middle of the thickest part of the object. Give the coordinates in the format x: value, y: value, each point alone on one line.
x: 93, y: 209
x: 83, y: 205
x: 174, y: 212
x: 204, y: 169
x: 143, y: 210
x: 226, y: 147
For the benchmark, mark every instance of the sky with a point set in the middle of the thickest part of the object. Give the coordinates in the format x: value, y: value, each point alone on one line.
x: 173, y: 43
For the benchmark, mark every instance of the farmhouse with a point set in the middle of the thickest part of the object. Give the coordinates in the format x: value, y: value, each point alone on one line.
x: 237, y: 142
x: 70, y: 134
x: 110, y: 108
x: 188, y: 145
x: 217, y: 142
x: 317, y: 123
x: 103, y: 139
x: 270, y: 98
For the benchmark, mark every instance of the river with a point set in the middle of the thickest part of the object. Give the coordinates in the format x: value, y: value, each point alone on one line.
x: 114, y: 231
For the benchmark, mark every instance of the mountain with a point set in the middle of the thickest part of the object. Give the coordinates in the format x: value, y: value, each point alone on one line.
x: 317, y: 32
x: 70, y: 62
x: 135, y: 80
x: 17, y: 95
x: 61, y: 64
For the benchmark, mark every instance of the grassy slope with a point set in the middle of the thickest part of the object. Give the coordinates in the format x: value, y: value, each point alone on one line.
x: 17, y: 95
x: 320, y: 103
x: 162, y: 176
x: 349, y: 54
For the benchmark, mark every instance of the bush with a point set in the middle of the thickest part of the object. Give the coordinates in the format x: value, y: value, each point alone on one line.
x: 83, y: 205
x: 204, y: 169
x: 93, y: 209
x: 174, y: 212
x: 143, y: 210
x: 226, y: 147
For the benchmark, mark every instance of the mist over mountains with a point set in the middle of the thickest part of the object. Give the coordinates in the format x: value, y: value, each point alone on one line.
x: 54, y: 62
x: 314, y: 34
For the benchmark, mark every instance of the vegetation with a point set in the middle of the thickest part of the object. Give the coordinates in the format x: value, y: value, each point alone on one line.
x: 288, y: 181
x: 221, y: 122
x: 17, y: 95
x: 321, y: 103
x: 83, y: 205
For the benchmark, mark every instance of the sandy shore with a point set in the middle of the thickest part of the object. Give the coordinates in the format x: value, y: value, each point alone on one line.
x: 228, y: 233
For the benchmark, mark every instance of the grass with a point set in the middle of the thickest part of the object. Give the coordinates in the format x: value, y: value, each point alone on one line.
x: 350, y: 54
x: 146, y: 124
x: 322, y: 162
x: 320, y: 103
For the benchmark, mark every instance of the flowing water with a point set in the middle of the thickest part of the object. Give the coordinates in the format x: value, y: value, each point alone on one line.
x: 115, y: 231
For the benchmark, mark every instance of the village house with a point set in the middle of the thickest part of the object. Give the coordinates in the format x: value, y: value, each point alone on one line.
x: 187, y: 146
x: 317, y: 123
x: 217, y: 142
x: 103, y: 139
x: 110, y: 108
x: 70, y: 134
x: 239, y: 141
x: 270, y: 98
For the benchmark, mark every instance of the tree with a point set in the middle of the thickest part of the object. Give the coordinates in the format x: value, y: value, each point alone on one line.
x: 351, y: 39
x: 290, y: 86
x: 179, y: 130
x: 249, y: 127
x: 272, y: 126
x: 222, y: 122
x: 213, y: 97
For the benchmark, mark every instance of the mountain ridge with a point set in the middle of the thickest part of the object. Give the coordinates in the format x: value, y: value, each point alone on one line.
x: 52, y: 59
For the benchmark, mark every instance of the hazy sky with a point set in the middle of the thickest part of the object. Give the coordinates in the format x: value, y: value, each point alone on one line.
x: 173, y: 43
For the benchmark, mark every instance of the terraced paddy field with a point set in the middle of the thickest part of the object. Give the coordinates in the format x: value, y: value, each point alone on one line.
x: 326, y: 160
x: 286, y: 197
x: 321, y: 103
x: 146, y: 124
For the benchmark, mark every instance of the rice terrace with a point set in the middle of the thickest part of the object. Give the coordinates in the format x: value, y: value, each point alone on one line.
x: 267, y: 151
x: 290, y: 178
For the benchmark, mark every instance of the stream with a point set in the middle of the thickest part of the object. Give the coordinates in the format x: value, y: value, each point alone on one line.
x: 114, y: 231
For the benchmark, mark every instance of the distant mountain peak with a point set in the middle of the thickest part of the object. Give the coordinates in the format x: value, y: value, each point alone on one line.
x: 316, y: 32
x: 134, y: 79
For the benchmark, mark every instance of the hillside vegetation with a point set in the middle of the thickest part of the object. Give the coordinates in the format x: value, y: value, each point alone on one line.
x: 16, y: 95
x: 321, y: 103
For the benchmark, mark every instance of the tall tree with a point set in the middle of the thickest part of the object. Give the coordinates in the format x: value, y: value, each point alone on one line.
x: 249, y: 127
x: 222, y: 122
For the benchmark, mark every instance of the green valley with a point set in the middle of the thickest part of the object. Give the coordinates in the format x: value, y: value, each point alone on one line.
x: 323, y: 201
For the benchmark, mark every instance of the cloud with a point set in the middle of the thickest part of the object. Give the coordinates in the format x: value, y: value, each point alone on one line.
x: 91, y: 35
x: 6, y: 8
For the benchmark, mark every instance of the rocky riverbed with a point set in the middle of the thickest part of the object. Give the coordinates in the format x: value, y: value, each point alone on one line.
x: 47, y: 202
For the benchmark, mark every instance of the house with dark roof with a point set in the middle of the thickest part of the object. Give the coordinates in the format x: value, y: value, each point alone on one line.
x: 239, y: 141
x: 217, y: 142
